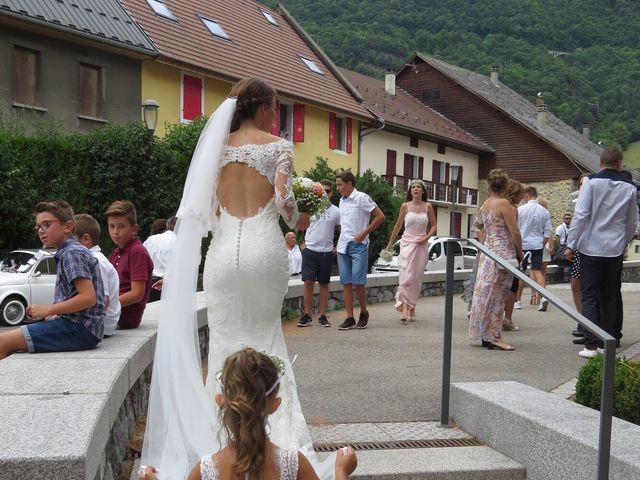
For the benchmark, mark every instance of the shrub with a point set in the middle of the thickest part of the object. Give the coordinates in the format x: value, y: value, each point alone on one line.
x: 626, y: 387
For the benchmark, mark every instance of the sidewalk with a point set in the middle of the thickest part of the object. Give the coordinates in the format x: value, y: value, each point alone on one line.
x: 392, y: 372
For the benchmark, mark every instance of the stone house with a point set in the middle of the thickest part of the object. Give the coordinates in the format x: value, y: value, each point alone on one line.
x: 411, y: 140
x: 73, y: 62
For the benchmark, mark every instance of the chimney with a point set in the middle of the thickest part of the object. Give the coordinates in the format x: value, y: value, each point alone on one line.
x: 542, y: 111
x: 390, y: 82
x: 494, y: 73
x: 586, y: 130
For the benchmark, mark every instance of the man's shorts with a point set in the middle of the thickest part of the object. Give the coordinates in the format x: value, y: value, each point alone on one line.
x: 316, y: 266
x: 353, y: 264
x: 57, y: 335
x: 536, y: 260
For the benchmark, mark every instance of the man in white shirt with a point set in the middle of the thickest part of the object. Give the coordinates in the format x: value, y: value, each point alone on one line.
x: 604, y: 222
x: 563, y: 230
x: 317, y: 258
x: 88, y: 234
x: 295, y: 256
x: 534, y: 222
x: 159, y: 247
x: 356, y: 209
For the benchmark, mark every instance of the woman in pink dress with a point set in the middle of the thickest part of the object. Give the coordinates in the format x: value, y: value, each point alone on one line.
x: 419, y: 221
x: 497, y: 220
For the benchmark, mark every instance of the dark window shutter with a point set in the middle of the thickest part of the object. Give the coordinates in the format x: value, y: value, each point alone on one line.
x: 90, y: 90
x: 26, y: 76
x: 460, y: 176
x: 421, y: 167
x: 298, y: 123
x: 413, y: 142
x: 435, y: 172
x: 349, y: 135
x: 442, y: 148
x: 408, y: 166
x: 275, y: 128
x: 446, y: 173
x: 391, y: 162
x: 332, y: 131
x: 191, y: 97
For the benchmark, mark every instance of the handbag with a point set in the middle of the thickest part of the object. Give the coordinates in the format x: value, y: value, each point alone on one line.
x: 559, y: 258
x: 515, y: 263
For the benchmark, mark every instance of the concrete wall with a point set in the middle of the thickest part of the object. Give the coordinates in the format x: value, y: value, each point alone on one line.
x: 59, y: 81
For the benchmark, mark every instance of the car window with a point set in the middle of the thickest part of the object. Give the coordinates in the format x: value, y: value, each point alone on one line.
x: 470, y: 251
x: 52, y: 265
x: 396, y: 248
x: 17, y: 262
x: 435, y: 250
x: 455, y: 247
x: 42, y: 267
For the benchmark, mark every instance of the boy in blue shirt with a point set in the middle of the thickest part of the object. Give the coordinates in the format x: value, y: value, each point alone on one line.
x: 75, y: 321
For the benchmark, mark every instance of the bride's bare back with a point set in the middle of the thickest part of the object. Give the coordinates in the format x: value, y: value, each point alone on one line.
x: 242, y: 190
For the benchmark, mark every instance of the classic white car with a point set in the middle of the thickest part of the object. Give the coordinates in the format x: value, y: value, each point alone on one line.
x: 26, y: 276
x: 437, y: 257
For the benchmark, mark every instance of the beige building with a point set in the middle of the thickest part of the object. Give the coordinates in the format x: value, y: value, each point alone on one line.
x: 410, y: 140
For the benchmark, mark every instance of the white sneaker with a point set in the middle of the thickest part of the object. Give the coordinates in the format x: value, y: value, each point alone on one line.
x: 544, y: 303
x: 586, y: 353
x: 518, y: 305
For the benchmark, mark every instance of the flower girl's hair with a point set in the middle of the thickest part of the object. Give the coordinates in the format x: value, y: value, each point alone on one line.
x: 247, y: 377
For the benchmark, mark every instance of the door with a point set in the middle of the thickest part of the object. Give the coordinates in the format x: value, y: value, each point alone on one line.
x: 42, y: 280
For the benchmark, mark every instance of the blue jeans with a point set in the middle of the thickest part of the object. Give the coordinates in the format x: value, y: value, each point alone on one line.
x: 57, y: 335
x: 353, y: 264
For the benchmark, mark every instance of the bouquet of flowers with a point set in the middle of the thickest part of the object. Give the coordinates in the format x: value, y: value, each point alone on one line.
x: 386, y: 255
x: 310, y: 196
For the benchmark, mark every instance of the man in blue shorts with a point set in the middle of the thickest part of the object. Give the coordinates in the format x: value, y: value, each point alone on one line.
x: 75, y: 321
x: 356, y: 209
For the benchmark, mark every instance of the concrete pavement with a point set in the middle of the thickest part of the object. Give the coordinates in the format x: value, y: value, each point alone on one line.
x: 392, y: 372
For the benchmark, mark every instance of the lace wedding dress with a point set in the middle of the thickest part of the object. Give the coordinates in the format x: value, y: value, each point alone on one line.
x: 286, y: 460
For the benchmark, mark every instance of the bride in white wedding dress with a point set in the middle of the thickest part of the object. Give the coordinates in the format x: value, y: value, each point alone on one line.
x: 238, y: 185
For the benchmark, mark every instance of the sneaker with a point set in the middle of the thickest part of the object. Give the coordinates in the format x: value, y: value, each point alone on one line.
x: 323, y: 321
x: 348, y: 324
x: 518, y: 305
x: 363, y: 320
x: 544, y: 303
x: 586, y: 353
x: 305, y: 320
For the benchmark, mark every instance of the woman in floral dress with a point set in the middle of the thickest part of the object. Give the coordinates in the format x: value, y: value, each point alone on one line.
x: 501, y: 235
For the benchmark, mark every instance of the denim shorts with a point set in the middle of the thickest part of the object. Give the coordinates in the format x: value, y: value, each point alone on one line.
x: 353, y: 264
x: 57, y: 335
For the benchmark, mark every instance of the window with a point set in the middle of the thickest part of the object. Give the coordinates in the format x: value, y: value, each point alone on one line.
x: 215, y: 28
x: 442, y: 149
x: 312, y: 66
x: 26, y: 76
x: 269, y: 17
x: 286, y: 121
x: 161, y: 9
x: 90, y: 90
x: 413, y: 142
x: 440, y: 172
x: 192, y: 97
x: 340, y: 133
x: 430, y: 95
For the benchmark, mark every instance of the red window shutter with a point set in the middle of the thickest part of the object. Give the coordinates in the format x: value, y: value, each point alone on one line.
x: 349, y: 136
x: 298, y: 123
x: 435, y: 172
x: 408, y: 164
x: 391, y: 162
x: 332, y: 131
x: 446, y: 173
x: 275, y: 128
x: 421, y: 167
x: 191, y: 97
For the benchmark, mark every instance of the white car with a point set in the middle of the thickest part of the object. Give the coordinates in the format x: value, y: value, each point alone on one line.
x: 26, y: 277
x: 437, y: 257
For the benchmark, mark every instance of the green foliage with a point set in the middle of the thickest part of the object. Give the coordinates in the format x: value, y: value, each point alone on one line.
x: 595, y: 81
x: 626, y: 388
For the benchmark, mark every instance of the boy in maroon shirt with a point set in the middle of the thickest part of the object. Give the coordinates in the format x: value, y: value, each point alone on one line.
x: 131, y: 260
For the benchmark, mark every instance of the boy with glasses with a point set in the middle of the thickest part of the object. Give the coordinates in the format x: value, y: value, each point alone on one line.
x: 75, y: 321
x: 318, y: 251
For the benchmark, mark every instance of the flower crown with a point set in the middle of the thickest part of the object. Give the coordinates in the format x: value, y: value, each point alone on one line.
x: 420, y: 182
x: 279, y: 363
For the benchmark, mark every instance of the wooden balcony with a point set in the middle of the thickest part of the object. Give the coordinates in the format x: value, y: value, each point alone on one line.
x: 439, y: 193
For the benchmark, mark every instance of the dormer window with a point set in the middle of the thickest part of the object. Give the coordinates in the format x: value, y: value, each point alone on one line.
x: 215, y: 28
x: 312, y: 66
x: 161, y: 9
x: 269, y: 17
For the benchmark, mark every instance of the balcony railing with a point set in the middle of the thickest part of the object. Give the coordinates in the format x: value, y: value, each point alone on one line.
x: 439, y: 192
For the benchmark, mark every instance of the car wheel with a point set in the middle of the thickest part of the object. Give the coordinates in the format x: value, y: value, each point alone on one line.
x: 13, y: 311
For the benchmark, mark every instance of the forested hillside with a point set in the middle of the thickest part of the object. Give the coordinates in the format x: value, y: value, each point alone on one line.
x: 596, y: 78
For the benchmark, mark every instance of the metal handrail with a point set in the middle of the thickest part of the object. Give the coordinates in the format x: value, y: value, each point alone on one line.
x: 606, y: 398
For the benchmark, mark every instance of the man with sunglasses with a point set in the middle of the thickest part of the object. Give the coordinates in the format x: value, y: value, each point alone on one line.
x: 317, y: 258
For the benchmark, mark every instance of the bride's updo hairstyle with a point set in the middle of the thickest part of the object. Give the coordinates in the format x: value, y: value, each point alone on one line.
x: 246, y: 377
x: 497, y: 180
x: 250, y: 93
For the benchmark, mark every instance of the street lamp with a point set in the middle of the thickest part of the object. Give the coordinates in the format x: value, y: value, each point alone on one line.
x: 455, y: 173
x: 150, y: 114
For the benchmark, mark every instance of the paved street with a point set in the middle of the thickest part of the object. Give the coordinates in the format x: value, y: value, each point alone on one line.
x: 392, y: 373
